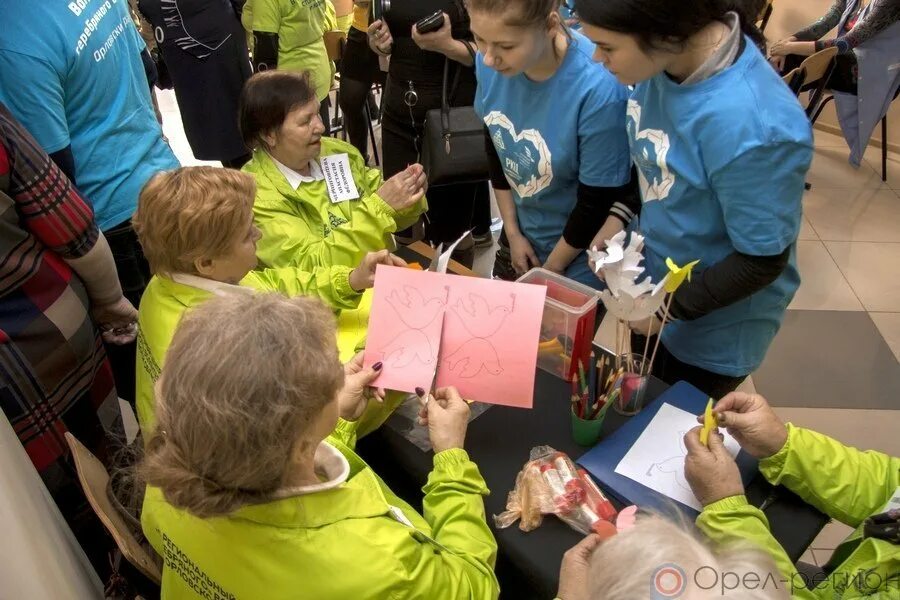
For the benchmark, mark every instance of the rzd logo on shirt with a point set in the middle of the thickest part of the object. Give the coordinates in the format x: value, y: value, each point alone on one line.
x: 650, y: 149
x: 526, y: 158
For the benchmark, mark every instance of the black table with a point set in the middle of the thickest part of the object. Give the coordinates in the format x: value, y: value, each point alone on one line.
x: 499, y: 441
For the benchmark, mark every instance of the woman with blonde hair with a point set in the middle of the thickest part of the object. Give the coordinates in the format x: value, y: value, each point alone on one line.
x: 254, y: 489
x: 196, y: 227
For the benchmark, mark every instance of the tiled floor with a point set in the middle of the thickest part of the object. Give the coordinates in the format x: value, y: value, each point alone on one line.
x: 834, y: 365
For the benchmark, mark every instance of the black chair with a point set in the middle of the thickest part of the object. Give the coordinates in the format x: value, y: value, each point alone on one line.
x: 765, y: 15
x: 817, y: 69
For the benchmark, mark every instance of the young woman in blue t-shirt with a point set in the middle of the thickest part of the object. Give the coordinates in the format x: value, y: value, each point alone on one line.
x: 722, y: 149
x: 556, y: 128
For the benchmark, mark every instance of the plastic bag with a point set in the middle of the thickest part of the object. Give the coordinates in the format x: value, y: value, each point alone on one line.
x: 550, y: 483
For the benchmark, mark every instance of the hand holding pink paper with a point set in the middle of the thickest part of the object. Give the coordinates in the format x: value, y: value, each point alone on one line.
x: 488, y: 346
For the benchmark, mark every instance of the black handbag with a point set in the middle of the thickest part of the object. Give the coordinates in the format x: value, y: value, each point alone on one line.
x: 453, y: 148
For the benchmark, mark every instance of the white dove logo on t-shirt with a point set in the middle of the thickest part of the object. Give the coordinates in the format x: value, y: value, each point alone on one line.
x: 652, y: 147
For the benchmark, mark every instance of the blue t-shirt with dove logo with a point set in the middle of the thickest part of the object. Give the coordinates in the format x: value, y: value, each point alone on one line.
x: 71, y: 72
x: 550, y: 135
x: 721, y: 166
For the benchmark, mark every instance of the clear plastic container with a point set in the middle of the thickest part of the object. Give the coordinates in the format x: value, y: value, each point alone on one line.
x: 567, y: 327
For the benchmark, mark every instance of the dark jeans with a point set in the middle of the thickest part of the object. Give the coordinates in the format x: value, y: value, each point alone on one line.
x: 134, y: 275
x: 503, y: 267
x: 671, y: 370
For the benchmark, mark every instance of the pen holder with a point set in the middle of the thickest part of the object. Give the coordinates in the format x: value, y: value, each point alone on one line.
x: 632, y: 387
x: 586, y: 432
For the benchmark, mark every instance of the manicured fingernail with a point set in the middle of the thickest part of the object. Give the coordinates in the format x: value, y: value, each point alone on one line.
x: 377, y: 366
x: 420, y: 392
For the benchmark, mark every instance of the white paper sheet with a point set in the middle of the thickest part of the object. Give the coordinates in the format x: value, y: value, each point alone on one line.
x: 656, y: 459
x: 443, y: 259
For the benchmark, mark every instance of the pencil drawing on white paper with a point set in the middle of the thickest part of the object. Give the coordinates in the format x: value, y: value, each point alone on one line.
x: 656, y: 459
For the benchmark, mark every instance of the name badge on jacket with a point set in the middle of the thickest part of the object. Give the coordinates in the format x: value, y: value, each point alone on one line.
x: 339, y: 178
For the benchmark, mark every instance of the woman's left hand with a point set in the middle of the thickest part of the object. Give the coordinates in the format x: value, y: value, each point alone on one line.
x: 436, y: 41
x: 786, y: 47
x: 647, y: 327
x: 117, y: 321
x: 710, y: 470
x: 357, y: 391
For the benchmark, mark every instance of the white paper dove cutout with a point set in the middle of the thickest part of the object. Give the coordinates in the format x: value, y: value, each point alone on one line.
x: 625, y: 297
x: 613, y: 254
x: 634, y: 308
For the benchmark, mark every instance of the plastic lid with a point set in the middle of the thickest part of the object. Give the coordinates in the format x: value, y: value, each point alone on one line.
x: 562, y: 292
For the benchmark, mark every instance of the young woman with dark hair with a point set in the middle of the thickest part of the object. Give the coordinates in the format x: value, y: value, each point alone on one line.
x: 722, y: 149
x: 561, y: 173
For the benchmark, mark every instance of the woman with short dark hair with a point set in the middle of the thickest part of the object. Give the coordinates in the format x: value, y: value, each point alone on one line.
x: 305, y: 221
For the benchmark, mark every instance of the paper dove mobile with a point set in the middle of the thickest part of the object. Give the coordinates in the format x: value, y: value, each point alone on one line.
x: 625, y: 297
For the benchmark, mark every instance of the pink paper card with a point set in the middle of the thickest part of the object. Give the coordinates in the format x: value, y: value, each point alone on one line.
x: 488, y: 346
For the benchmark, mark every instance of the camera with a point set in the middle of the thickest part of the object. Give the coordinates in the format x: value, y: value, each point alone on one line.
x: 380, y: 8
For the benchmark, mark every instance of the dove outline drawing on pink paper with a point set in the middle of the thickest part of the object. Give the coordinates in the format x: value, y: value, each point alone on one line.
x: 478, y: 355
x: 484, y: 334
x: 417, y: 313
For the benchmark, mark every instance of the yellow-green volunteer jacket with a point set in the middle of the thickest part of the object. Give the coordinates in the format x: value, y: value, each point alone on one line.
x: 351, y: 542
x: 844, y: 483
x: 300, y: 25
x: 165, y: 301
x: 303, y: 228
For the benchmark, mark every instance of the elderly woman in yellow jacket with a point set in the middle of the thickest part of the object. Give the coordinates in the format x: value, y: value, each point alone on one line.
x: 249, y: 496
x: 739, y: 557
x: 317, y: 203
x: 859, y: 489
x: 195, y: 225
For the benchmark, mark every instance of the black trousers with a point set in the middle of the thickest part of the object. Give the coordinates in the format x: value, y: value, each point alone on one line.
x: 451, y: 208
x: 359, y: 70
x: 671, y: 370
x: 134, y: 275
